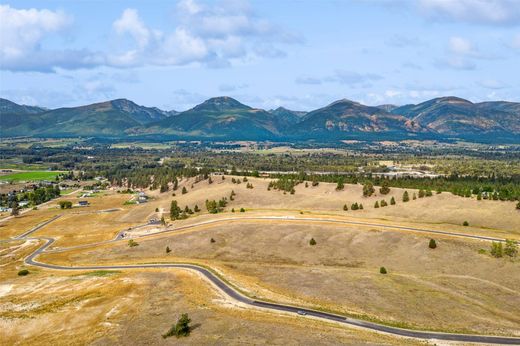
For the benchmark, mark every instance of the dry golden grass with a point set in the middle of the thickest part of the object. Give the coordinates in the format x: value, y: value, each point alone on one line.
x: 450, y: 288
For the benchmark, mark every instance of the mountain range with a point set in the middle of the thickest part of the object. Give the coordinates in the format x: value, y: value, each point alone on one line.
x: 224, y: 118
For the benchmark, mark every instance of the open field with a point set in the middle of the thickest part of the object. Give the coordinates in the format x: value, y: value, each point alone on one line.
x: 452, y: 288
x: 137, y: 307
x: 30, y: 176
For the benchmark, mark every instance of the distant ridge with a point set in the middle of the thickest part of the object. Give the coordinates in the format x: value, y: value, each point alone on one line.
x: 225, y: 118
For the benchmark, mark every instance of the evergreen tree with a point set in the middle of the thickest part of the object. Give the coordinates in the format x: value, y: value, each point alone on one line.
x: 196, y: 209
x: 385, y: 189
x: 383, y: 203
x: 345, y: 208
x: 432, y: 244
x: 341, y: 185
x: 376, y: 205
x: 312, y: 242
x: 360, y: 206
x: 184, y: 190
x: 392, y: 201
x: 368, y: 189
x: 406, y: 198
x: 168, y: 250
x: 181, y: 328
x: 421, y: 193
x: 382, y: 270
x: 175, y: 211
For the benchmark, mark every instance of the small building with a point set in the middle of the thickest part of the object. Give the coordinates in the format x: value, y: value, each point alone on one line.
x: 83, y: 203
x: 23, y: 203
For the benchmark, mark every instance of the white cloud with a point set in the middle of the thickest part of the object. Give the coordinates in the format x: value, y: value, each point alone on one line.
x: 342, y: 77
x: 489, y: 12
x: 212, y: 35
x: 492, y: 84
x: 459, y: 45
x: 131, y: 23
x: 21, y: 31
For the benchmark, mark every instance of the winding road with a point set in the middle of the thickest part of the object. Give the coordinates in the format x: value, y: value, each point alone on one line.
x: 237, y: 296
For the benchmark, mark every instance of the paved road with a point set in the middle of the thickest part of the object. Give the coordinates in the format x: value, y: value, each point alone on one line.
x: 231, y: 292
x: 37, y: 227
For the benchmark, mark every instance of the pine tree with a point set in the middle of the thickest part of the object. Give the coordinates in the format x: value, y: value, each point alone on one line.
x: 345, y: 208
x: 432, y: 244
x: 392, y: 201
x: 382, y: 270
x: 368, y: 189
x: 406, y: 198
x: 421, y: 193
x: 184, y: 190
x: 376, y: 205
x: 312, y: 242
x: 385, y: 189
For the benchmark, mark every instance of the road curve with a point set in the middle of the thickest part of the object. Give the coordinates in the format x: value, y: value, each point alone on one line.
x: 231, y: 292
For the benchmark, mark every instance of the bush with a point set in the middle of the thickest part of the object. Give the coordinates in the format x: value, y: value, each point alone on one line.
x: 181, y: 328
x: 242, y: 210
x: 384, y: 188
x: 132, y: 243
x: 23, y: 272
x: 312, y: 242
x: 212, y: 240
x: 65, y: 204
x: 496, y: 249
x: 511, y: 248
x: 382, y: 270
x: 465, y: 223
x: 433, y: 244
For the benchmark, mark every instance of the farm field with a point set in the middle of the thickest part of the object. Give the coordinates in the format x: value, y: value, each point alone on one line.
x: 30, y: 176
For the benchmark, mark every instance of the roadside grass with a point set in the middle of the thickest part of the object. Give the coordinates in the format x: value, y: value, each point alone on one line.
x: 100, y: 273
x: 31, y: 176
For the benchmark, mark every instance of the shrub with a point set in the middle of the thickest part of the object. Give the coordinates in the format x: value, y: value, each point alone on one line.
x: 433, y: 244
x: 312, y: 242
x: 181, y: 328
x: 511, y: 248
x: 65, y: 204
x: 382, y: 270
x: 242, y: 210
x: 212, y: 240
x: 465, y: 223
x: 132, y: 243
x: 496, y: 249
x: 23, y: 272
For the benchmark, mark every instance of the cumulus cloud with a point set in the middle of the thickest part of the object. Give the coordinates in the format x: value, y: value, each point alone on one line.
x: 488, y: 12
x: 212, y: 35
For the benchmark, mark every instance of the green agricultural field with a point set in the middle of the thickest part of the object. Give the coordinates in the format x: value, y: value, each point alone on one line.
x: 31, y: 176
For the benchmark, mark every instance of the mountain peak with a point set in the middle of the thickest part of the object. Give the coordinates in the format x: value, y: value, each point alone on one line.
x: 220, y: 103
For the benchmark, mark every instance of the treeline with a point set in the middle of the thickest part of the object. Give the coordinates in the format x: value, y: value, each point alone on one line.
x: 500, y: 188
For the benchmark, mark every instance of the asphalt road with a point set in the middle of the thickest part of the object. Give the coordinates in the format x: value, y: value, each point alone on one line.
x: 231, y: 292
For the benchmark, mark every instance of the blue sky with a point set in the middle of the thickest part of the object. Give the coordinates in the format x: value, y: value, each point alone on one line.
x: 297, y: 54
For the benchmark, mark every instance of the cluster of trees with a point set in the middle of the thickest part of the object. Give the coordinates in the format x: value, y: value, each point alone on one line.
x: 368, y: 189
x: 39, y: 195
x: 176, y: 213
x: 284, y: 184
x: 181, y: 328
x: 215, y: 207
x: 509, y: 249
x: 65, y: 204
